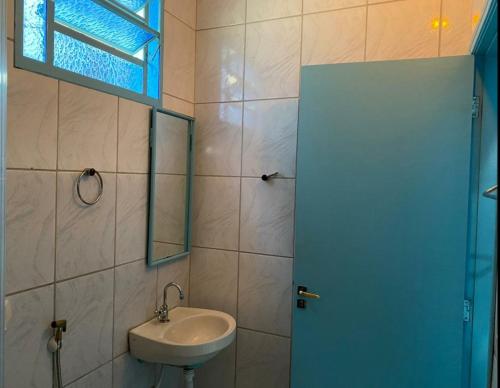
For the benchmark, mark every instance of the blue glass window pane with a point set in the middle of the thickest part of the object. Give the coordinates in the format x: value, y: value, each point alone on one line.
x: 155, y: 14
x: 81, y: 58
x: 133, y: 5
x: 154, y: 69
x: 98, y: 22
x: 34, y: 29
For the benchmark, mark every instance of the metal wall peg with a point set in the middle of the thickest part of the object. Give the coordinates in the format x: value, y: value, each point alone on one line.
x: 90, y: 172
x: 267, y: 177
x: 491, y: 192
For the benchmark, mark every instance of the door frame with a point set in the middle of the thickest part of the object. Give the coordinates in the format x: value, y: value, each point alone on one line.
x: 3, y: 130
x: 485, y: 34
x: 486, y: 30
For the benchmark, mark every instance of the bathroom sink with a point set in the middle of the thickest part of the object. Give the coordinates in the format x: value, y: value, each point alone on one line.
x: 191, y: 337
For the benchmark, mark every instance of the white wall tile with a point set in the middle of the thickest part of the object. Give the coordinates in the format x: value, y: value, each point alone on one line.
x: 184, y: 10
x: 31, y: 119
x: 219, y: 372
x: 178, y: 62
x: 403, y: 30
x: 30, y: 229
x: 133, y: 136
x: 218, y: 139
x: 177, y: 105
x: 220, y: 13
x: 328, y: 5
x: 258, y: 10
x: 216, y: 204
x: 173, y: 271
x: 272, y: 59
x: 99, y: 378
x: 27, y: 361
x: 478, y: 8
x: 131, y: 217
x: 131, y: 373
x: 87, y: 304
x: 456, y: 32
x: 214, y: 280
x: 270, y: 137
x: 135, y: 300
x: 85, y: 234
x: 219, y: 64
x: 263, y: 360
x: 267, y: 211
x: 87, y: 129
x: 169, y: 208
x: 269, y: 279
x: 334, y: 37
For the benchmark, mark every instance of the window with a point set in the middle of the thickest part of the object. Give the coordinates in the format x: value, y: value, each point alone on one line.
x: 108, y: 45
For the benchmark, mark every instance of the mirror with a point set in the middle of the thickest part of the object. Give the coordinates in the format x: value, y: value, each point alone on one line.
x: 170, y: 176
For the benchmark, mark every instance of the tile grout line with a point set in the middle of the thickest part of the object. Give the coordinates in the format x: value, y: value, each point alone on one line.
x: 56, y: 213
x: 295, y: 195
x: 193, y: 150
x: 265, y: 333
x: 90, y: 372
x: 258, y: 177
x: 56, y: 282
x: 366, y: 32
x: 247, y: 100
x: 440, y: 33
x: 115, y: 234
x: 48, y: 284
x: 179, y: 19
x: 28, y: 169
x: 245, y: 252
x: 177, y: 97
x: 243, y: 105
x: 290, y: 16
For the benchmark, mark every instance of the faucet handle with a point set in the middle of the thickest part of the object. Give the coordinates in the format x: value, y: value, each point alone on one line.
x: 161, y: 313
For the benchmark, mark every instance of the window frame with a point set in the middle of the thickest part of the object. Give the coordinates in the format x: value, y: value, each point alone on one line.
x: 48, y: 69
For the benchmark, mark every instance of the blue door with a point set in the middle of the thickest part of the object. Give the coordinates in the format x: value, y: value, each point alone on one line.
x: 381, y: 224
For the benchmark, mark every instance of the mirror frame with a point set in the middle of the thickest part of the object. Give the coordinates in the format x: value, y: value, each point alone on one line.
x: 152, y: 184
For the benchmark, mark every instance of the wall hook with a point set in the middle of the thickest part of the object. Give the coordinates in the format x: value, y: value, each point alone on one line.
x: 266, y: 177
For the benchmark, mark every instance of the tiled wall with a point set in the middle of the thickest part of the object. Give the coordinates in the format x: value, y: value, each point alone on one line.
x: 85, y: 264
x: 248, y: 59
x: 478, y: 8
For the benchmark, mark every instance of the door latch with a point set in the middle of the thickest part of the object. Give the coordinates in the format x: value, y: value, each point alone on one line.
x: 303, y: 293
x: 301, y: 303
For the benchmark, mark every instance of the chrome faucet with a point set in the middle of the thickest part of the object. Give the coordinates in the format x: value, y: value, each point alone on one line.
x: 162, y: 311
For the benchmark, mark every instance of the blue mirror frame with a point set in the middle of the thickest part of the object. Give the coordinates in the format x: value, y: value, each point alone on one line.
x: 3, y: 131
x: 152, y: 185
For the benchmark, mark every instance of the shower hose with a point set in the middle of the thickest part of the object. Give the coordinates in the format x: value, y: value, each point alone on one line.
x: 54, y: 346
x: 56, y: 369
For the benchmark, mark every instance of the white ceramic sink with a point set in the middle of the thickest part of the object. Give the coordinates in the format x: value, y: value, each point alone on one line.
x: 192, y: 337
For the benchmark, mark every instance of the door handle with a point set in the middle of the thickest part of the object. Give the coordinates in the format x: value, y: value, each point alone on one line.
x: 302, y: 291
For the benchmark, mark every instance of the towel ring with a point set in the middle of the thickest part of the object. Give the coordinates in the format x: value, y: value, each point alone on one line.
x: 90, y: 172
